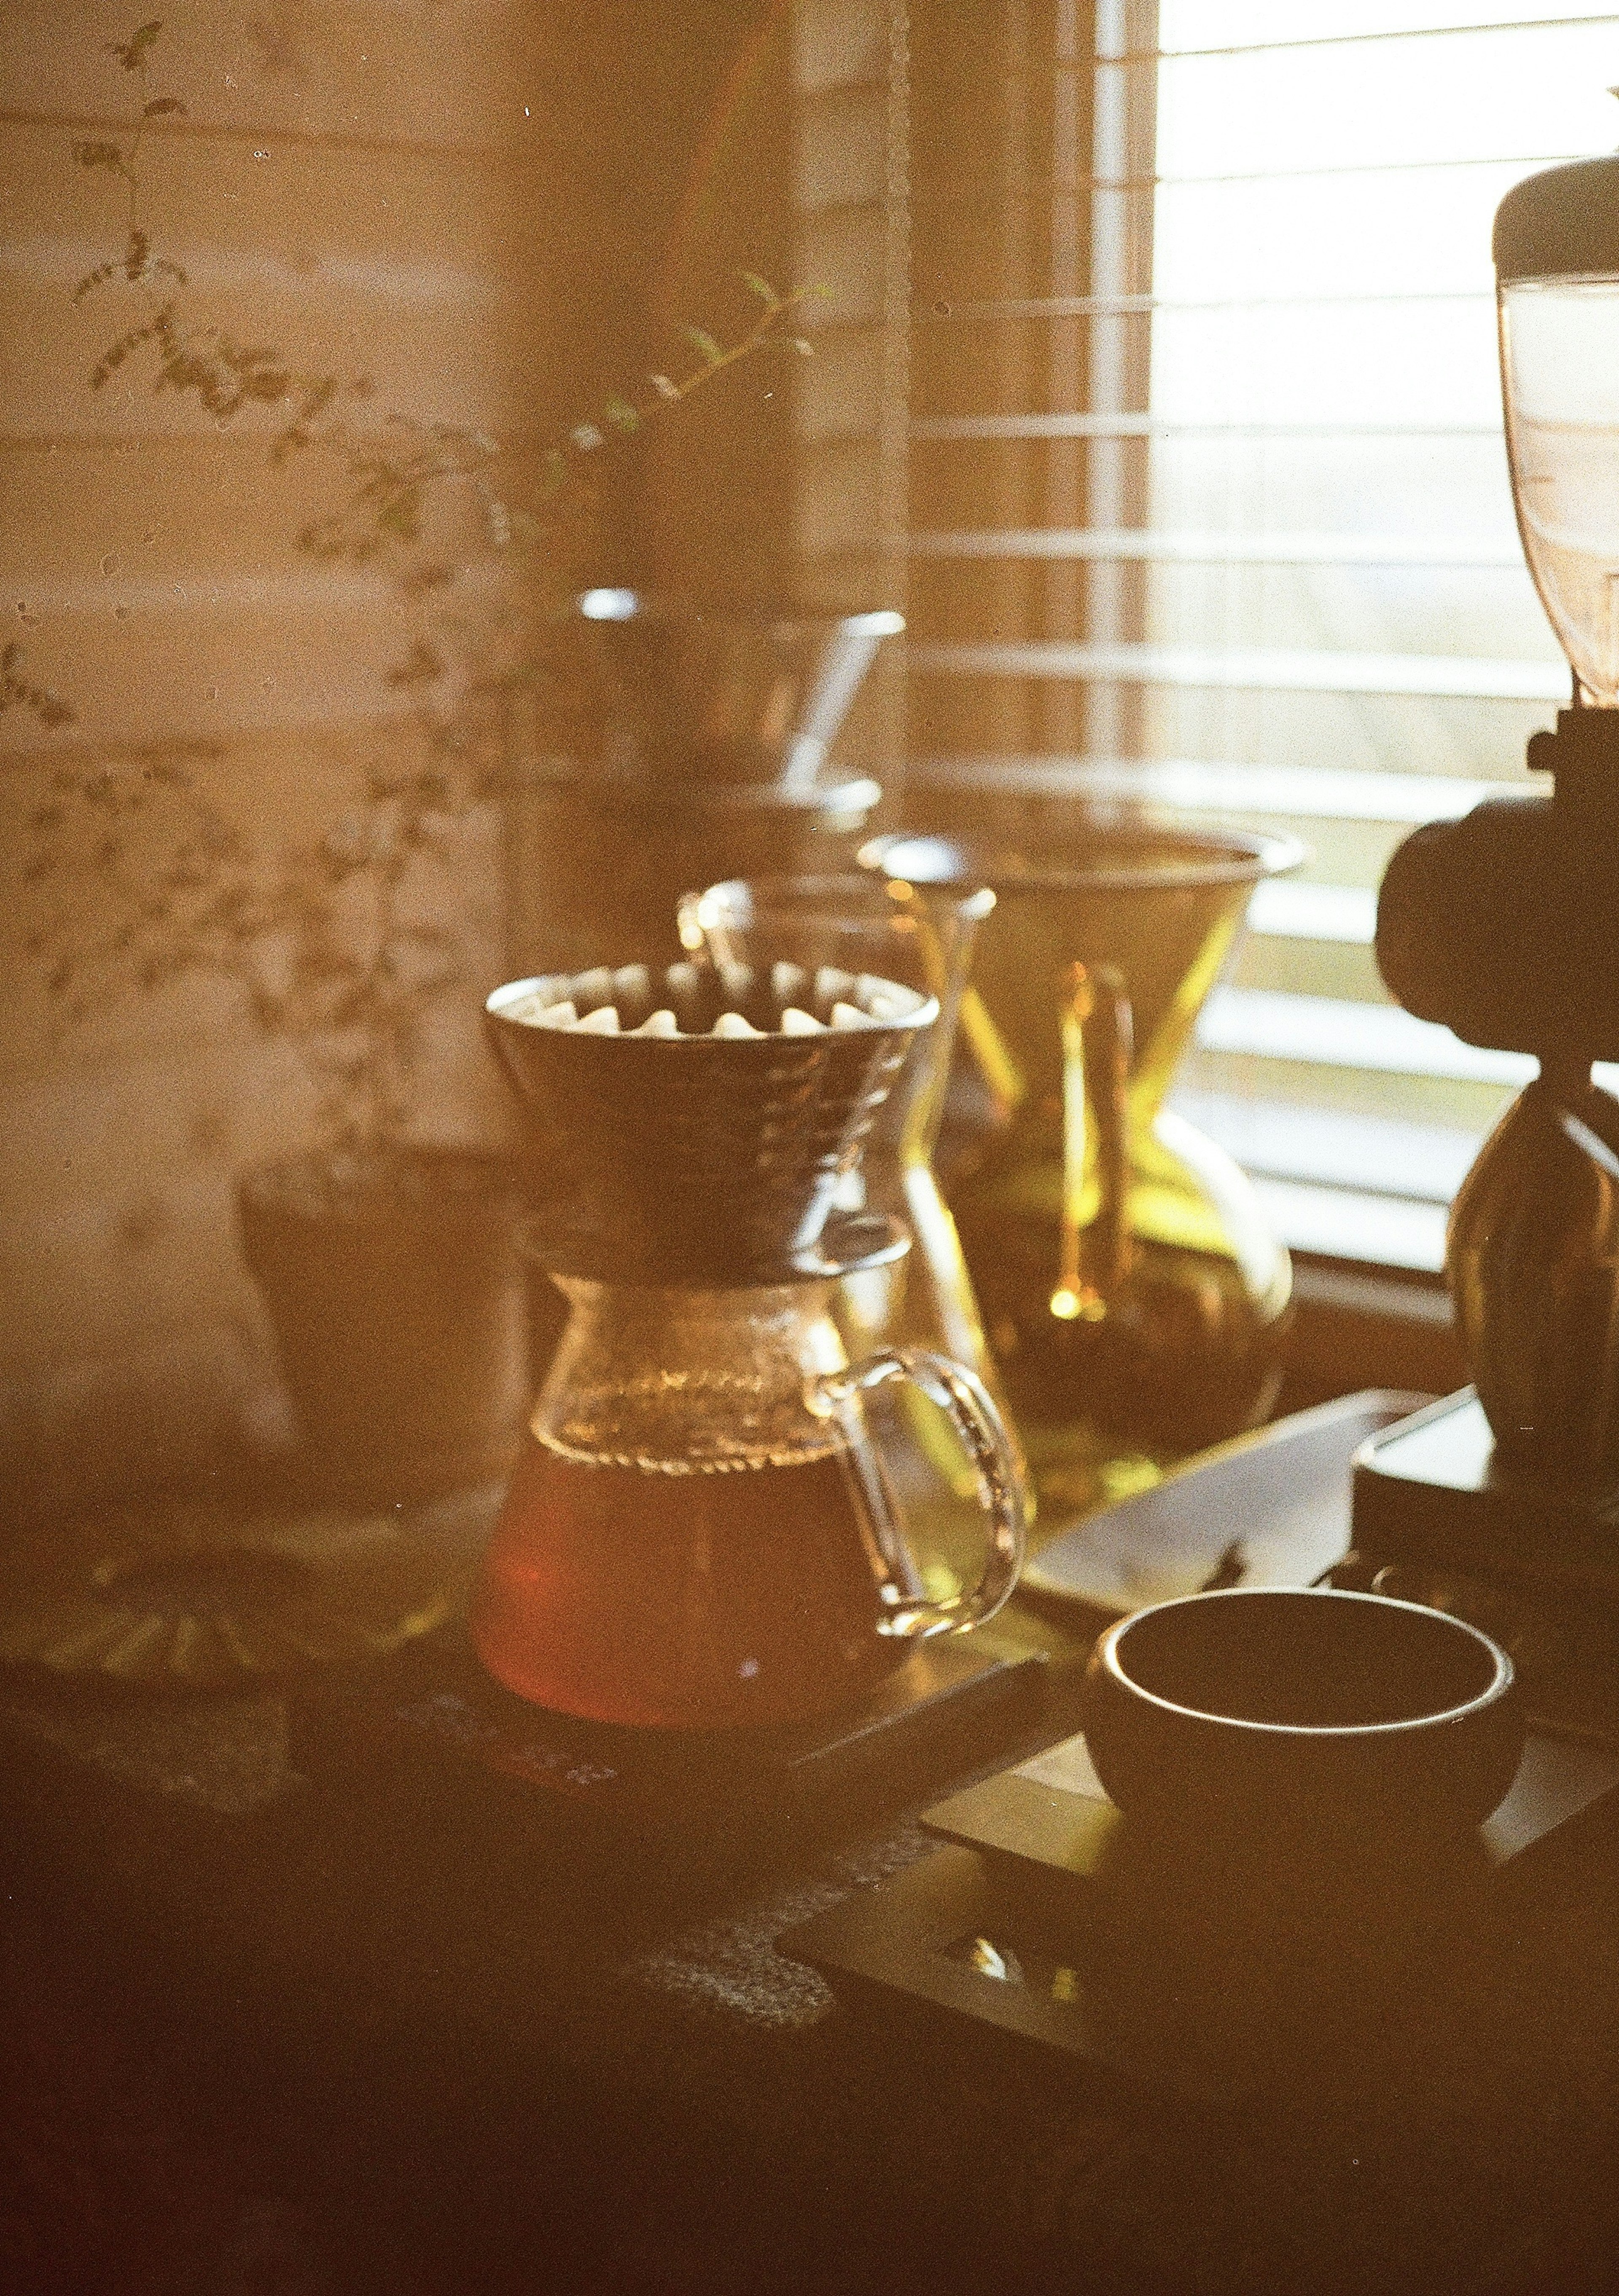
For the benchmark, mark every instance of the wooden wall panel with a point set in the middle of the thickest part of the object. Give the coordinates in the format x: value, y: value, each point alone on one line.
x: 841, y: 148
x: 839, y: 389
x: 852, y: 397
x: 838, y: 44
x: 427, y: 71
x: 343, y: 186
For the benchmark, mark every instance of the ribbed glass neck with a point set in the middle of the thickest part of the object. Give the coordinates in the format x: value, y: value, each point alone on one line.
x: 681, y: 1382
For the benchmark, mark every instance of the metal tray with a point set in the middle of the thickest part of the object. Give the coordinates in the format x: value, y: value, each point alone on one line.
x: 1269, y: 1509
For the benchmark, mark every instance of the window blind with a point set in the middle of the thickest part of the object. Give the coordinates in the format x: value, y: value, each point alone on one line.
x: 1208, y: 501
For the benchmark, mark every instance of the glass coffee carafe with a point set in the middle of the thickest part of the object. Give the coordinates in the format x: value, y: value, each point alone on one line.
x: 864, y: 925
x: 1133, y: 1294
x: 925, y: 1299
x: 702, y: 1531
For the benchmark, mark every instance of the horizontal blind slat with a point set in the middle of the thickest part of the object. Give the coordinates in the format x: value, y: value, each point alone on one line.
x: 1092, y: 306
x: 1475, y: 21
x: 1284, y: 911
x: 1155, y: 544
x: 976, y: 426
x: 1319, y: 1028
x: 1201, y: 785
x: 1385, y: 1155
x: 1345, y: 1224
x: 1261, y: 669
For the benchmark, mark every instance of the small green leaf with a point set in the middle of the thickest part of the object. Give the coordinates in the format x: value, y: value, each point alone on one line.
x: 762, y: 288
x: 621, y: 415
x: 802, y: 345
x: 703, y: 344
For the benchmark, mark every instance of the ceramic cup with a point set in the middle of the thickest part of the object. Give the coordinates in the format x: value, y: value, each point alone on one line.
x: 1257, y: 1707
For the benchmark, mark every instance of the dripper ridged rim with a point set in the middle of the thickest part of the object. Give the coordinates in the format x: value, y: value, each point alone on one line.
x: 701, y: 1159
x: 900, y: 1006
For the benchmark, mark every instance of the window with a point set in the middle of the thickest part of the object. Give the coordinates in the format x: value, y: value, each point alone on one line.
x: 1207, y: 500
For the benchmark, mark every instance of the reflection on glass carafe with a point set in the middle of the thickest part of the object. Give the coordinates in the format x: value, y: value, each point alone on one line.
x: 1134, y: 1296
x: 704, y: 1529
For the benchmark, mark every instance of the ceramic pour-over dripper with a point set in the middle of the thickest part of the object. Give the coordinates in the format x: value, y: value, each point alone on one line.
x: 693, y: 1125
x: 702, y: 1532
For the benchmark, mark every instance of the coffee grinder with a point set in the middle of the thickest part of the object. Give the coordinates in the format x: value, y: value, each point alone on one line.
x: 1502, y: 1501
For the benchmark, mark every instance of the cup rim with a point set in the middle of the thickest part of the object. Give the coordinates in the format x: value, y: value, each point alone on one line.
x: 975, y: 900
x: 1306, y: 1732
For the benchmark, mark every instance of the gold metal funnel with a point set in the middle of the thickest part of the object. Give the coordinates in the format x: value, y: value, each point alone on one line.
x: 1133, y: 1293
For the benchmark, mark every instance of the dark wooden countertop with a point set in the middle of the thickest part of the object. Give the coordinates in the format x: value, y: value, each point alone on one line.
x: 274, y: 2035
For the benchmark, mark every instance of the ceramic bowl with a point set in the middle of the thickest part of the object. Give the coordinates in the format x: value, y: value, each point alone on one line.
x: 1295, y: 1704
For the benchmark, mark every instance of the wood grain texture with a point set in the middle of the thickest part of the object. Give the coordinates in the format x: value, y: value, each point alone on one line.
x: 840, y: 191
x: 343, y: 186
x: 298, y: 69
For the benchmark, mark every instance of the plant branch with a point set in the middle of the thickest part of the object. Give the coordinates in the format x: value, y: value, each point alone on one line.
x: 171, y: 885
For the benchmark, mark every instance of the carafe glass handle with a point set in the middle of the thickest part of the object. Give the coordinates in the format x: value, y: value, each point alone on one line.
x: 965, y: 1401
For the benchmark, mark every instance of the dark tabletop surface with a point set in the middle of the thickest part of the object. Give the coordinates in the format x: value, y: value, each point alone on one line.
x: 270, y: 2033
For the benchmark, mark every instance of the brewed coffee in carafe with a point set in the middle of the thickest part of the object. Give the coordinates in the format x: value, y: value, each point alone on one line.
x: 702, y: 1532
x: 690, y: 1536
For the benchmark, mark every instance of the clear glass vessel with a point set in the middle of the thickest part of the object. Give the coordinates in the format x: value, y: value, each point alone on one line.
x: 1560, y: 390
x: 702, y: 1530
x: 1133, y: 1293
x: 863, y: 924
x: 688, y: 691
x: 675, y: 742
